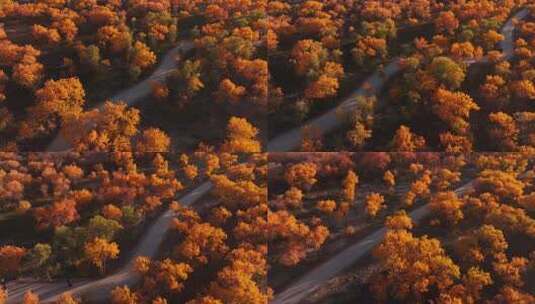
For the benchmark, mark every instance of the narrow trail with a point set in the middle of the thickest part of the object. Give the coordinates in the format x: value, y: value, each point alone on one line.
x: 319, y: 275
x: 329, y: 121
x: 97, y: 290
x: 137, y: 92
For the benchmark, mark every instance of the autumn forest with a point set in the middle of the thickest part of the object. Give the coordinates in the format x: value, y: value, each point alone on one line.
x: 267, y: 151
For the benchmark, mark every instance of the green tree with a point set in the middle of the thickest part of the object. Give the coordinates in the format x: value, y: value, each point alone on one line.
x: 447, y: 71
x: 102, y: 227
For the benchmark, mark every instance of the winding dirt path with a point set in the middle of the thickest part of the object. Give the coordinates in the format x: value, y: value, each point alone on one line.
x: 96, y: 291
x: 137, y: 92
x: 329, y: 121
x: 319, y: 275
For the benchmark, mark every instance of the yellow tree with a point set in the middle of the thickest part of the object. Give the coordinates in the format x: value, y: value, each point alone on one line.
x: 369, y: 51
x: 504, y: 184
x: 109, y: 128
x: 309, y: 56
x: 117, y: 39
x: 153, y: 140
x: 10, y: 259
x: 241, y: 137
x: 447, y: 22
x: 293, y: 197
x: 349, y: 186
x: 66, y: 298
x: 455, y: 143
x: 256, y: 72
x: 159, y: 300
x: 465, y: 51
x: 123, y: 295
x: 30, y: 298
x: 509, y: 294
x: 56, y: 214
x: 66, y: 27
x: 445, y: 177
x: 142, y: 264
x: 231, y: 91
x: 201, y: 242
x: 454, y: 109
x: 205, y: 300
x: 524, y: 89
x: 28, y: 72
x: 474, y: 281
x: 211, y: 163
x: 405, y: 141
x: 503, y: 131
x: 399, y: 220
x: 3, y: 296
x: 412, y: 267
x: 113, y: 212
x: 64, y: 97
x: 220, y: 215
x: 512, y: 272
x: 326, y: 206
x: 301, y: 175
x: 447, y: 206
x: 419, y: 188
x: 358, y: 134
x: 481, y: 245
x: 191, y: 171
x: 295, y: 237
x: 324, y: 86
x: 494, y: 91
x: 236, y: 195
x: 374, y: 203
x: 235, y: 286
x: 469, y: 291
x: 390, y: 179
x: 173, y: 274
x: 99, y: 251
x: 491, y: 38
x: 142, y: 57
x: 49, y: 35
